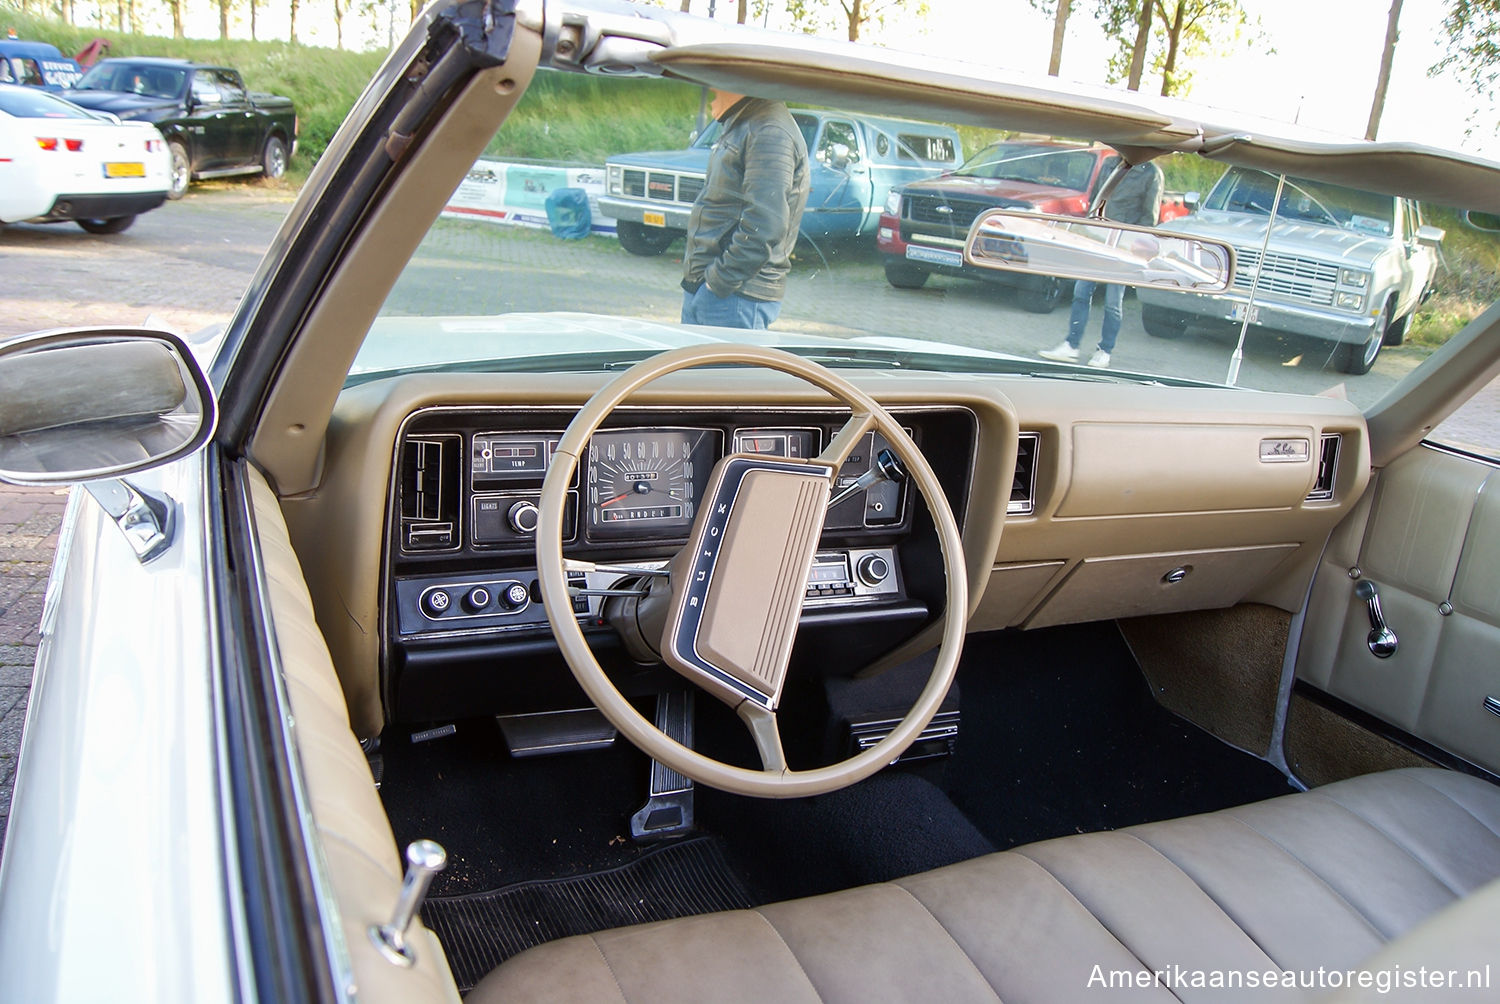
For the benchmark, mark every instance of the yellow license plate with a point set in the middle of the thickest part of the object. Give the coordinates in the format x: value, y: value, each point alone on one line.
x: 125, y: 169
x: 654, y: 219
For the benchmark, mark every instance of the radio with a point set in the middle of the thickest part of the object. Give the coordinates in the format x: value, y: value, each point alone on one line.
x: 855, y: 573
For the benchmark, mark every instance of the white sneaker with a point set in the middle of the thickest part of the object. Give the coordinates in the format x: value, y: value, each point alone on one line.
x: 1064, y: 353
x: 1099, y: 360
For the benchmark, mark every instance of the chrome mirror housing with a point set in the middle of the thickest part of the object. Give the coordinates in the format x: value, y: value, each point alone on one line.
x: 84, y: 404
x: 1097, y: 250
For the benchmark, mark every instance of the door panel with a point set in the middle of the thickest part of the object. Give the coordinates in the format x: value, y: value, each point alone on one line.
x: 1428, y: 538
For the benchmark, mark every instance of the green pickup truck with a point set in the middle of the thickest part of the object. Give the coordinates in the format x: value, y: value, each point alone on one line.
x: 213, y: 126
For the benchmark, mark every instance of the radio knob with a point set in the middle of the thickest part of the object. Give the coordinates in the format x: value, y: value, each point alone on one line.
x: 476, y: 599
x: 523, y: 517
x: 515, y: 596
x: 873, y: 569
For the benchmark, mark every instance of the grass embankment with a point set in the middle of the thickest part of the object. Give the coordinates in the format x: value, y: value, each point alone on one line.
x: 323, y: 83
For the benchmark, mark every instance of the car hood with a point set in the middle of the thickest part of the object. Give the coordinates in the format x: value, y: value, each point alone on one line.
x: 694, y: 160
x: 961, y: 186
x: 121, y: 103
x: 412, y: 343
x: 1345, y: 247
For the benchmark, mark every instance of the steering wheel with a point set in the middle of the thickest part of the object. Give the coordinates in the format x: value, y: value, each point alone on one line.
x: 729, y: 609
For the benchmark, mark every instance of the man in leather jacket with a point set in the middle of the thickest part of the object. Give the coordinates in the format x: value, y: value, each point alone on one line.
x: 744, y: 225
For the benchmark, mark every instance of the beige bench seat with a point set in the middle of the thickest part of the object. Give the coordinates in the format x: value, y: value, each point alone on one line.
x: 1324, y: 879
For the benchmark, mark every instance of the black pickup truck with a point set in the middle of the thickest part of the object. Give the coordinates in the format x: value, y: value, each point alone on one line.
x: 213, y: 126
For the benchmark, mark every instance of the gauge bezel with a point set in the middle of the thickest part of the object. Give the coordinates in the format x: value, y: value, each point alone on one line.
x: 704, y: 452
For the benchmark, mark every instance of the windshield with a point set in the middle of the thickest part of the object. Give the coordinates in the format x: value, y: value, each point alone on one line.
x: 1029, y: 163
x: 1303, y: 201
x: 134, y: 78
x: 31, y: 104
x: 545, y: 260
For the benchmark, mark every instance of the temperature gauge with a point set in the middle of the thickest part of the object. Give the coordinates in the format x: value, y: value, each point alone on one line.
x: 797, y: 443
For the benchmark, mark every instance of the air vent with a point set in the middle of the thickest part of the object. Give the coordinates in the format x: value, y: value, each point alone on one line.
x: 1023, y: 485
x: 429, y: 496
x: 1328, y: 468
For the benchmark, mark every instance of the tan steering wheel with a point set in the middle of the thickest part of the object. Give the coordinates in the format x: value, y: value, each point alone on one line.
x: 734, y: 597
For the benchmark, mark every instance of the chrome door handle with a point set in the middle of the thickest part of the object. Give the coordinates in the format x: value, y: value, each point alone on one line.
x: 1381, y: 639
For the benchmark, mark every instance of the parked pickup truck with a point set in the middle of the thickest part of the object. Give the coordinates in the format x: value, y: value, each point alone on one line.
x: 925, y: 223
x: 36, y: 64
x: 213, y: 126
x: 855, y: 160
x: 1342, y: 266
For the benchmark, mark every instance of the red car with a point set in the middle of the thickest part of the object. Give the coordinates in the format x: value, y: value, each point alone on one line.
x: 924, y: 225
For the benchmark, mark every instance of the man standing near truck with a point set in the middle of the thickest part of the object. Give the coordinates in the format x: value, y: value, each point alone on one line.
x: 744, y: 225
x: 1136, y: 199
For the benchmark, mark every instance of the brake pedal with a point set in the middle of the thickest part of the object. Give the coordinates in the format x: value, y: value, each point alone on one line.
x: 668, y: 811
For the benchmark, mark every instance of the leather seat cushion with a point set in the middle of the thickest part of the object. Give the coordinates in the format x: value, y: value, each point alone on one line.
x: 1325, y: 878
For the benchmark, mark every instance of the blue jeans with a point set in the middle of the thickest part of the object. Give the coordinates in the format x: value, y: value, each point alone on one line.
x: 1114, y: 304
x: 732, y: 311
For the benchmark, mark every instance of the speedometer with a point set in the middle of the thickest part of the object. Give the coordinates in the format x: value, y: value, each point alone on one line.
x: 644, y: 481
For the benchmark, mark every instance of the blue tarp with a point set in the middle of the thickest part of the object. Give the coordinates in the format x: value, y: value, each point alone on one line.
x: 568, y: 213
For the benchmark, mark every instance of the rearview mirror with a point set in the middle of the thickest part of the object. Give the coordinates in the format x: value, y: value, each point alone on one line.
x: 85, y: 404
x: 1098, y: 251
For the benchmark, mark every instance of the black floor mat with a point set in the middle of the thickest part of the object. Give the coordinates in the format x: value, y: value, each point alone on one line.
x: 1061, y: 735
x: 481, y: 930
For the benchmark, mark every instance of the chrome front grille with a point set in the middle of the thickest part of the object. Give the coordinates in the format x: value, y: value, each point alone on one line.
x: 1288, y: 276
x: 661, y: 186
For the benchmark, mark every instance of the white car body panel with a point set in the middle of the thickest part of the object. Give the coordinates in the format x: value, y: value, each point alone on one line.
x: 32, y: 179
x: 121, y: 719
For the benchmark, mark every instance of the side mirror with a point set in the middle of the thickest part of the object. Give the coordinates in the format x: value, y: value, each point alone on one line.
x: 1010, y: 240
x: 1430, y: 236
x: 1191, y: 200
x: 91, y: 403
x: 838, y: 156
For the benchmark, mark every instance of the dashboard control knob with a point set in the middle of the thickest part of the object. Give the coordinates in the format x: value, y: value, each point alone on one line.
x: 873, y: 569
x: 476, y: 599
x: 523, y: 517
x: 515, y: 596
x: 435, y: 602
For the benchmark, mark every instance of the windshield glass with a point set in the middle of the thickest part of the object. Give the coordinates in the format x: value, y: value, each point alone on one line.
x: 566, y: 247
x: 135, y: 78
x: 32, y: 104
x: 1302, y: 201
x: 1034, y: 164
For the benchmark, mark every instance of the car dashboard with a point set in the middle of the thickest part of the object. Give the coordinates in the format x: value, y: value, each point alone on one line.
x: 1077, y: 501
x: 462, y: 595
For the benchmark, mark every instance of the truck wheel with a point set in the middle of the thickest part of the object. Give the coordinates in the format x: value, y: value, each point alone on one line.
x: 1358, y: 357
x: 639, y: 239
x: 1395, y: 334
x: 1160, y: 322
x: 113, y: 225
x: 182, y: 171
x: 273, y: 158
x: 1039, y: 294
x: 903, y: 276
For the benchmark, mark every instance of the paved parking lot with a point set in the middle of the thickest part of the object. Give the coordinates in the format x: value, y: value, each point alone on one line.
x: 185, y: 266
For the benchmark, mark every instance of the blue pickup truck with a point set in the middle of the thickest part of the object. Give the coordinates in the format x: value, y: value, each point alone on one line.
x: 855, y: 160
x: 36, y: 64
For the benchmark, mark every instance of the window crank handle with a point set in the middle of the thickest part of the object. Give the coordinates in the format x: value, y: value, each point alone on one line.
x: 1381, y: 639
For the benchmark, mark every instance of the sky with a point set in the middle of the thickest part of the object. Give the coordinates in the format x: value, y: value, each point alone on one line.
x: 1321, y: 73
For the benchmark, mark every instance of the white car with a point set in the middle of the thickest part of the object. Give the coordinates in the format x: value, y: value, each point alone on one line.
x: 864, y: 658
x: 63, y: 163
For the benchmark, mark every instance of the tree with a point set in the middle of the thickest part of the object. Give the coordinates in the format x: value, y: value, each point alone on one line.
x: 1175, y: 32
x: 853, y: 16
x: 340, y: 8
x: 223, y: 19
x: 1383, y: 80
x: 291, y: 33
x: 1473, y: 30
x: 175, y: 6
x: 1060, y: 10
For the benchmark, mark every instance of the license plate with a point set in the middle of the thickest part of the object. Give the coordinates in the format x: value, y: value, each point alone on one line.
x: 1243, y: 311
x: 654, y: 219
x: 934, y: 256
x: 124, y: 169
